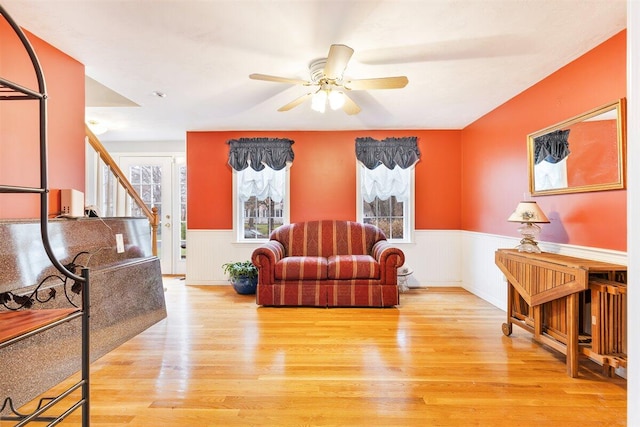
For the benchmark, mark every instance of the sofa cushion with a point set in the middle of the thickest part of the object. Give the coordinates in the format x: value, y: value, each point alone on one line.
x: 353, y: 267
x: 301, y: 268
x: 326, y: 238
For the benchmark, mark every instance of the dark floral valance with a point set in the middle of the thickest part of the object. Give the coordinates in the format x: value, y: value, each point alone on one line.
x: 551, y: 147
x: 389, y: 152
x: 260, y: 152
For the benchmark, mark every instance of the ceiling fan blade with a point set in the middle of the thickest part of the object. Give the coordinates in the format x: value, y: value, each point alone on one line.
x: 339, y: 56
x: 277, y: 79
x: 380, y: 83
x: 296, y: 102
x: 350, y: 107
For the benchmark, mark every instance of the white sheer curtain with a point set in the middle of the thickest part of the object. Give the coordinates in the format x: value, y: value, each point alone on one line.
x: 262, y: 184
x: 383, y: 183
x: 548, y: 176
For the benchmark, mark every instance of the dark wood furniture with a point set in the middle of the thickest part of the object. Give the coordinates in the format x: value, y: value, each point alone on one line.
x: 573, y: 305
x: 20, y: 323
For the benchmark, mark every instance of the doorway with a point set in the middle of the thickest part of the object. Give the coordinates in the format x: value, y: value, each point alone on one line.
x: 161, y: 182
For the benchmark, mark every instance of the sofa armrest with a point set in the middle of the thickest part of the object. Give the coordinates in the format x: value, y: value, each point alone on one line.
x: 265, y: 258
x: 390, y: 258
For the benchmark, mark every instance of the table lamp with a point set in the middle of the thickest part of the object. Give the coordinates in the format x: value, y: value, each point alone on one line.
x: 529, y: 214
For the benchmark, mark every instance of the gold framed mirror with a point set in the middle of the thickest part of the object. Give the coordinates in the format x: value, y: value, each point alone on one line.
x: 584, y: 153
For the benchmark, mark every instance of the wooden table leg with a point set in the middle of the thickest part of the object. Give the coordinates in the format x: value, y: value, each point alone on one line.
x: 507, y: 327
x: 537, y: 322
x: 572, y: 335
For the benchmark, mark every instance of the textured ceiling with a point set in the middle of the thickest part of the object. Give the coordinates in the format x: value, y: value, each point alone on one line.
x: 463, y: 58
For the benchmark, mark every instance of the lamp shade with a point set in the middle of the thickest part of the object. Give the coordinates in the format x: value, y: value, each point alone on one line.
x: 528, y: 212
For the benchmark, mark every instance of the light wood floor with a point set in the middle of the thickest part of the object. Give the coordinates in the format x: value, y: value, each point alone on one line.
x: 439, y: 359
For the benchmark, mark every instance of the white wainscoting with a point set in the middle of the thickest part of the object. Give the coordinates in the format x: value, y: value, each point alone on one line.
x: 434, y: 257
x: 481, y: 276
x: 437, y: 257
x: 207, y: 250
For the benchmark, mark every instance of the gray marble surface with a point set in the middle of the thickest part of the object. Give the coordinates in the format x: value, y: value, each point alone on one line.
x: 24, y: 263
x: 127, y: 296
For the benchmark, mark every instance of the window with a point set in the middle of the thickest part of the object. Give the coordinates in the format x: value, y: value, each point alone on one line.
x: 261, y: 185
x: 388, y: 215
x: 385, y: 184
x: 261, y: 200
x: 386, y: 200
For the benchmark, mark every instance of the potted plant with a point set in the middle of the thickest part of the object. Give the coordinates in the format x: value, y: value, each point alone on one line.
x: 243, y: 275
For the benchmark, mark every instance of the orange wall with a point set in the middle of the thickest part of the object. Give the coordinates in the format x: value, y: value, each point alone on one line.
x: 19, y: 152
x: 323, y: 176
x: 470, y: 179
x: 494, y: 155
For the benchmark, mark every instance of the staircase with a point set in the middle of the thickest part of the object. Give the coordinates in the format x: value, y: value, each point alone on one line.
x: 115, y: 195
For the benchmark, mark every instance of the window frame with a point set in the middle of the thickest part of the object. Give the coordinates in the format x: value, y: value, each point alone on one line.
x: 238, y: 214
x: 409, y: 206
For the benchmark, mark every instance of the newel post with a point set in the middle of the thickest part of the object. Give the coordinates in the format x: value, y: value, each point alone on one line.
x: 154, y: 231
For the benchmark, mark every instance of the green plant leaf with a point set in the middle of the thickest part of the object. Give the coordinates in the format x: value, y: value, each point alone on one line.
x: 240, y: 269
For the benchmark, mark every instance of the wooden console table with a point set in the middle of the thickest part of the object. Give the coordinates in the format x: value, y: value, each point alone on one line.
x: 546, y: 296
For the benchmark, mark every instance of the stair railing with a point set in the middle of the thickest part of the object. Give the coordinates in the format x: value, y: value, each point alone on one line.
x: 123, y: 181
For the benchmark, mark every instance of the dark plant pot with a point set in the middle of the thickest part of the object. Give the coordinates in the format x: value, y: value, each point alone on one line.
x: 245, y: 285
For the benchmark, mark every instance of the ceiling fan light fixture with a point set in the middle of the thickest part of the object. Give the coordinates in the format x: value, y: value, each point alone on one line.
x: 327, y: 74
x: 96, y: 127
x: 319, y: 101
x: 336, y: 99
x: 316, y: 69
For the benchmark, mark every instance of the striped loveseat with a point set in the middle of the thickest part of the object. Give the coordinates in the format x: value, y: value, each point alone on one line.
x: 327, y: 264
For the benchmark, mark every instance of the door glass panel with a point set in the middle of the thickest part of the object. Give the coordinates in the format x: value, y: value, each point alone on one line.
x: 135, y: 175
x: 182, y: 176
x: 147, y: 181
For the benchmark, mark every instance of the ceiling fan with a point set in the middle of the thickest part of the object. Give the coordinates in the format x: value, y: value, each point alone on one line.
x: 329, y: 84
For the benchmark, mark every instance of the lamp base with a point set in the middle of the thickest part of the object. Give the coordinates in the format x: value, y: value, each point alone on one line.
x: 529, y: 232
x: 528, y: 245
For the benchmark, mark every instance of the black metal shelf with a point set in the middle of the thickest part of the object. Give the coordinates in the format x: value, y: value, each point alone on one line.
x: 10, y: 91
x: 16, y: 189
